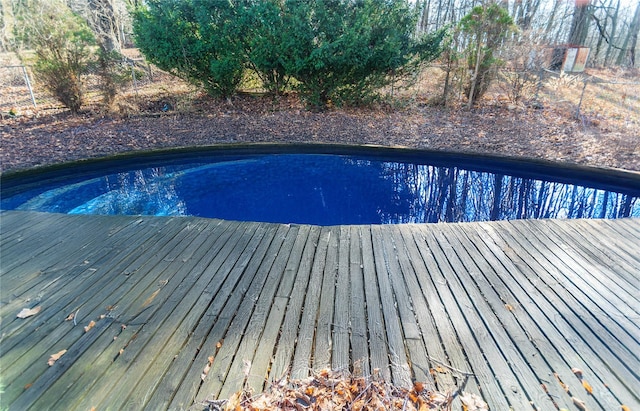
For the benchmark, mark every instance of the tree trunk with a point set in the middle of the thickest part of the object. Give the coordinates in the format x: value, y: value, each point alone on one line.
x: 614, y: 27
x: 633, y: 30
x: 630, y: 41
x: 105, y: 25
x: 549, y: 28
x: 580, y: 23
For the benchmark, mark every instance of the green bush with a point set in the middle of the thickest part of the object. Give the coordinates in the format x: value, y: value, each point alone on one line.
x: 265, y: 40
x: 342, y: 51
x: 345, y: 51
x: 485, y: 27
x: 62, y: 42
x: 197, y: 40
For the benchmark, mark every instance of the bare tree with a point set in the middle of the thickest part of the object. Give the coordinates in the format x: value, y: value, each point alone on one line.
x: 631, y: 40
x: 104, y: 23
x: 580, y: 23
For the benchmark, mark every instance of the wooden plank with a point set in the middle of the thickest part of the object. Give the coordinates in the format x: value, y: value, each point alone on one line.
x: 51, y: 374
x: 160, y: 340
x: 511, y: 280
x: 211, y: 333
x: 31, y: 258
x: 513, y: 341
x: 592, y: 355
x: 417, y: 265
x: 340, y: 356
x: 223, y: 299
x: 302, y: 360
x: 323, y: 343
x: 560, y: 279
x: 594, y: 270
x: 589, y: 295
x: 358, y: 321
x: 110, y: 287
x: 412, y: 312
x: 592, y: 247
x: 146, y: 307
x: 233, y: 335
x: 241, y: 365
x: 289, y: 332
x: 620, y: 240
x: 258, y: 374
x: 486, y: 360
x: 69, y: 282
x: 117, y: 288
x: 400, y: 370
x: 375, y: 319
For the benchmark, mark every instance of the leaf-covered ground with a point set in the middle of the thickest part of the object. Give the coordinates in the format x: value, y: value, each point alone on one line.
x: 525, y: 132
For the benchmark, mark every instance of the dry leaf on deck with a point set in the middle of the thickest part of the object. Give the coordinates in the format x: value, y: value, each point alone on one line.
x: 233, y: 402
x: 587, y: 387
x: 28, y: 312
x: 508, y: 307
x: 577, y: 372
x: 625, y: 408
x: 55, y: 357
x: 90, y: 326
x: 579, y: 403
x: 472, y: 402
x: 206, y: 368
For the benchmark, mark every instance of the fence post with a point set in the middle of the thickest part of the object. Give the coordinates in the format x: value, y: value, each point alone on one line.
x: 584, y: 87
x: 28, y: 83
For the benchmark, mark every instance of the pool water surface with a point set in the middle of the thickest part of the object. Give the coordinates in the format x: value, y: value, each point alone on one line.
x: 323, y: 189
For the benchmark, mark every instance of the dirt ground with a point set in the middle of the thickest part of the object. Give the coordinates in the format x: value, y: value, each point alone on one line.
x: 550, y: 132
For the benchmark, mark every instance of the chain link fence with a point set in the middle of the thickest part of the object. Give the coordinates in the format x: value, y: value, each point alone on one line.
x: 591, y: 96
x: 20, y: 92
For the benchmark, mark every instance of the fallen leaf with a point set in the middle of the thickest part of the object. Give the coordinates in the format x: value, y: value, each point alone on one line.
x: 233, y: 402
x: 205, y: 372
x: 150, y: 299
x: 564, y: 386
x: 418, y: 386
x: 587, y: 387
x: 219, y: 344
x: 625, y: 408
x: 472, y: 402
x: 70, y: 317
x: 28, y: 312
x: 577, y: 372
x: 27, y: 386
x: 90, y: 326
x: 207, y: 368
x: 55, y: 357
x: 579, y: 403
x: 508, y: 307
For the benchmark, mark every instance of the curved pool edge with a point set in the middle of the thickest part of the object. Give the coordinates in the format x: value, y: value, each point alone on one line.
x: 615, y: 179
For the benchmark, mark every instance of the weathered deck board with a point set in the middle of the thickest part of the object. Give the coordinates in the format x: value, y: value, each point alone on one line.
x: 516, y: 304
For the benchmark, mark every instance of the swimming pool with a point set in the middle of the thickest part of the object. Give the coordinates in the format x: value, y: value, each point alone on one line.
x: 325, y: 186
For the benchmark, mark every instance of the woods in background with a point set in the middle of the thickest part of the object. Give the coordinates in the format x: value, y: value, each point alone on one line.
x: 337, y: 52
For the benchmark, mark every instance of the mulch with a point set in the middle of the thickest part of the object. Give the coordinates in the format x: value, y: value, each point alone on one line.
x: 40, y: 140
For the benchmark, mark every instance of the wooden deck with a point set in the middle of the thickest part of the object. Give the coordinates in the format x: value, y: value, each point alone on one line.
x: 517, y: 304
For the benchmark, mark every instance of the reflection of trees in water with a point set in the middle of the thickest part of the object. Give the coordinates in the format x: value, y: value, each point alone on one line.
x: 433, y: 194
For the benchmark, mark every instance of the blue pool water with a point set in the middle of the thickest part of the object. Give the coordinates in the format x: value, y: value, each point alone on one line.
x: 322, y: 189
